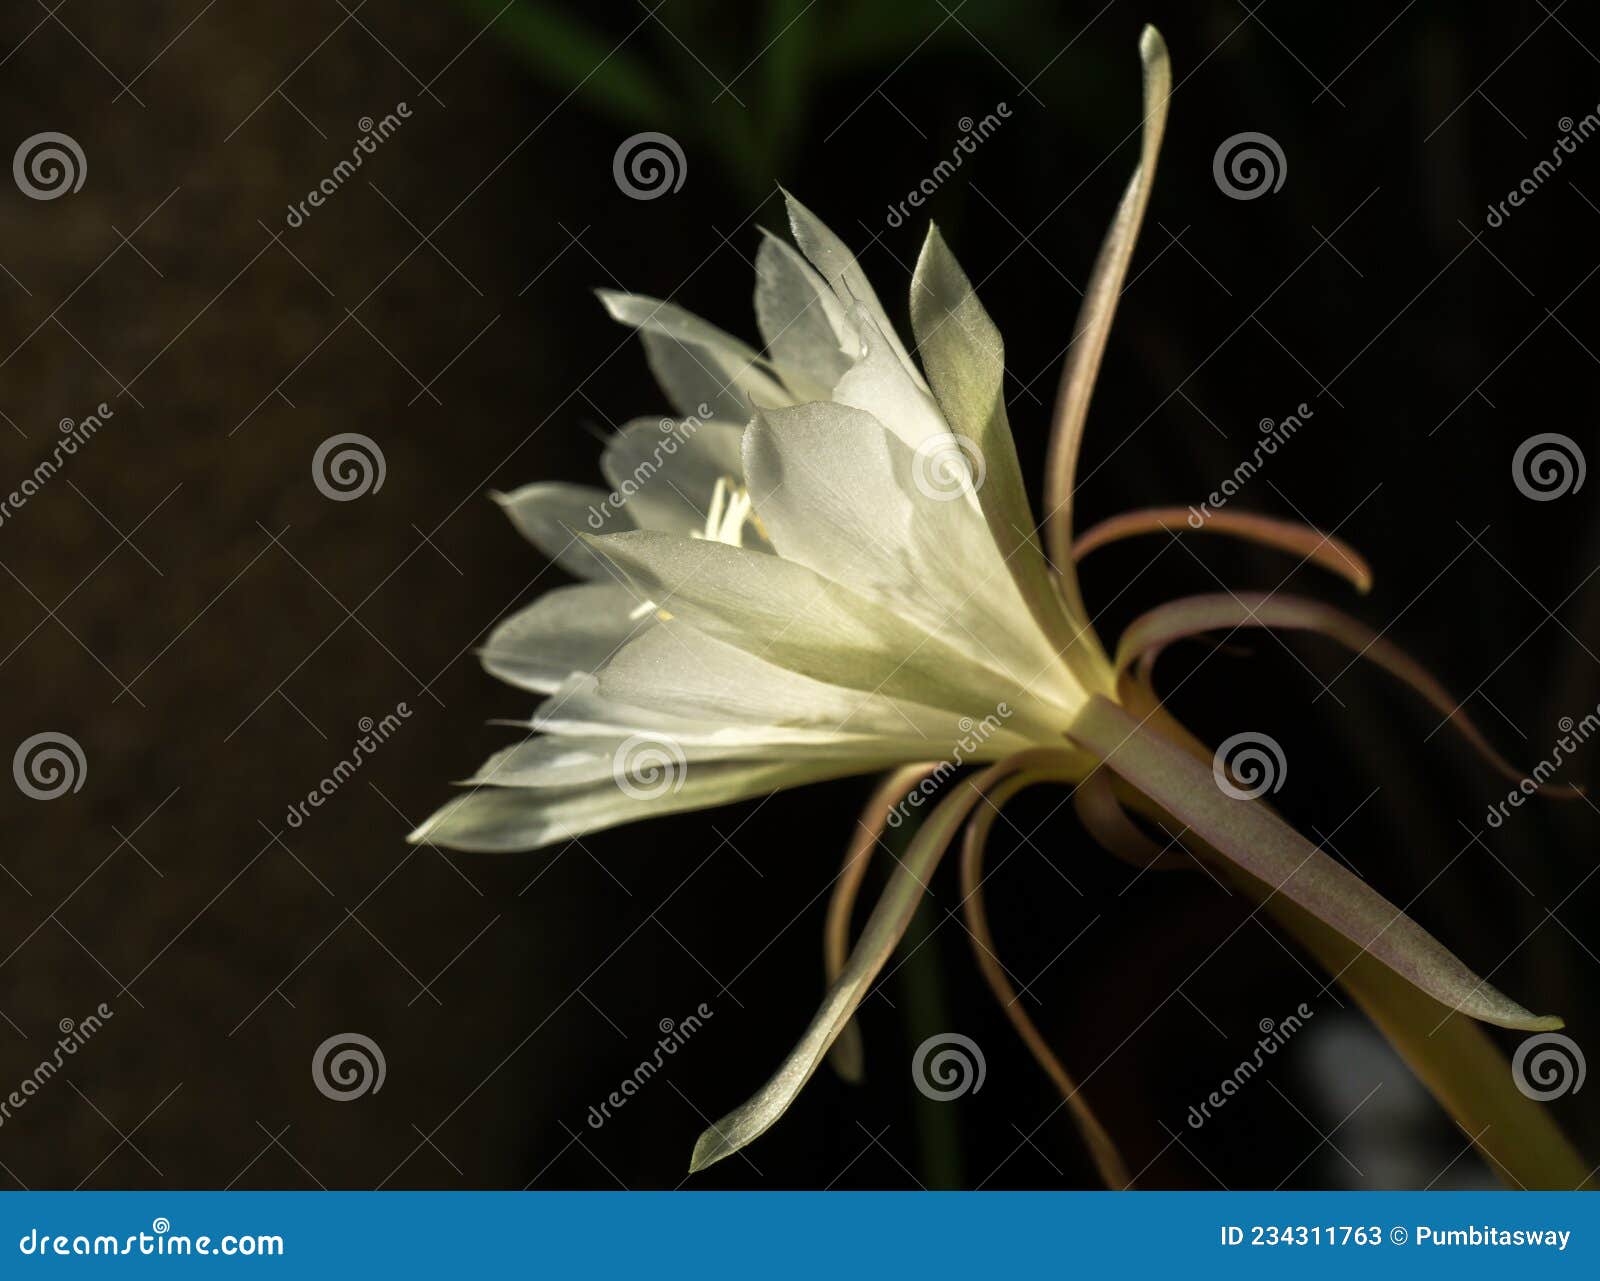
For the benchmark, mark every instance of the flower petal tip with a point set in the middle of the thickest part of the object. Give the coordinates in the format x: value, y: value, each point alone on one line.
x: 709, y: 1148
x: 613, y: 301
x: 1501, y: 1011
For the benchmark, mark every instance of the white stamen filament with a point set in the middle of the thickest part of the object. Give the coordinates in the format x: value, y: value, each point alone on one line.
x: 730, y: 508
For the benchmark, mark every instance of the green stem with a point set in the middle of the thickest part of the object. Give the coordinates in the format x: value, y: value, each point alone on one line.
x: 927, y: 1013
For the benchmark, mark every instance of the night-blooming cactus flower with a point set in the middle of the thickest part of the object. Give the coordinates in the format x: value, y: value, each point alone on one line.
x: 829, y: 567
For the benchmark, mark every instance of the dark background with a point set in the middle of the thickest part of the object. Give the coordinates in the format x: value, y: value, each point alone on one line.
x: 184, y: 603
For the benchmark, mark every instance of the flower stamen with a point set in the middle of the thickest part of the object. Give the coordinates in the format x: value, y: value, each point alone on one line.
x: 728, y: 513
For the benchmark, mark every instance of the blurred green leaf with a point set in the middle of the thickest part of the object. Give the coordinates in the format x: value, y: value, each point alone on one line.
x: 786, y: 66
x: 575, y: 57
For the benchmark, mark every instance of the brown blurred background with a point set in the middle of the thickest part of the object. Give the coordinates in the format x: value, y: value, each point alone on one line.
x: 184, y: 603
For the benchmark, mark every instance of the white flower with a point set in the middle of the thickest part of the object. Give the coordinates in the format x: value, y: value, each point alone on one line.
x: 810, y: 591
x: 829, y: 567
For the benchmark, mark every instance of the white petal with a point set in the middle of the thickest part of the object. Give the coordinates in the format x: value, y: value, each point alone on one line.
x: 705, y: 372
x: 551, y: 514
x: 803, y: 324
x: 665, y: 470
x: 679, y: 671
x: 880, y: 384
x: 839, y: 268
x: 504, y: 819
x: 580, y: 714
x: 838, y: 494
x: 546, y: 761
x: 965, y: 359
x: 644, y: 760
x: 579, y: 709
x: 795, y: 618
x: 571, y: 629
